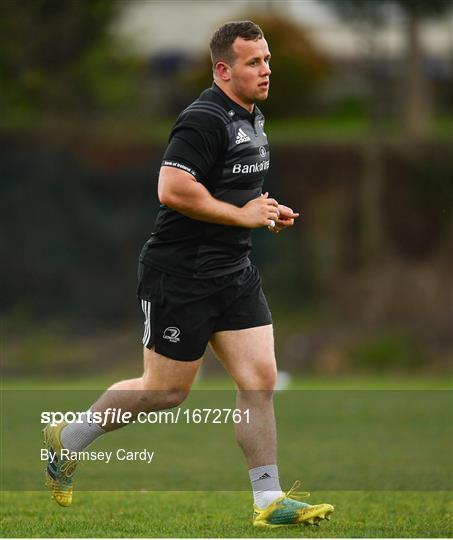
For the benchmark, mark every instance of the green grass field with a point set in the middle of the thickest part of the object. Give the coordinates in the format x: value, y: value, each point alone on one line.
x: 382, y: 457
x: 221, y: 514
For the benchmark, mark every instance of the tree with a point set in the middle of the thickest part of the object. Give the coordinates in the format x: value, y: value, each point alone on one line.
x: 56, y: 55
x: 370, y: 15
x: 415, y: 107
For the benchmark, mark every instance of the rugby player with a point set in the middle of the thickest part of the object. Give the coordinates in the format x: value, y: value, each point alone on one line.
x: 196, y: 282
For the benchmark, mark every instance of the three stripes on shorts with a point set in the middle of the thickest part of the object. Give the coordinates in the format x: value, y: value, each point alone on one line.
x: 147, y: 337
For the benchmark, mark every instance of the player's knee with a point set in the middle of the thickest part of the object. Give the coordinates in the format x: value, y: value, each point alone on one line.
x: 267, y: 378
x: 175, y: 397
x: 152, y: 399
x: 262, y: 378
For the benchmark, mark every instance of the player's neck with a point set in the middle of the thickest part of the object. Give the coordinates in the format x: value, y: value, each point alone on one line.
x: 228, y: 92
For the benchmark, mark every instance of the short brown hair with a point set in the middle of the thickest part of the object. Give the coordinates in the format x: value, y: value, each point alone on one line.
x: 221, y: 43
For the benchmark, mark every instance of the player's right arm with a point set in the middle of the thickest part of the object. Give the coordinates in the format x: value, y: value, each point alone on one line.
x: 180, y: 191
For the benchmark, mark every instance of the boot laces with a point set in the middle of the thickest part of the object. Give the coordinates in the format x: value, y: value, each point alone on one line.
x: 296, y: 495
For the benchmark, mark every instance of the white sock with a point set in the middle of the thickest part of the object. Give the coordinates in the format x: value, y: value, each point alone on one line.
x: 265, y: 485
x: 76, y: 436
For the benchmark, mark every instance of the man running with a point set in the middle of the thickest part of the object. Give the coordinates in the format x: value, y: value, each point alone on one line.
x: 196, y: 282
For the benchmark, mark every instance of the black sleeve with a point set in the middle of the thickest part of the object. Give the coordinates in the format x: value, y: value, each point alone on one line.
x: 196, y: 142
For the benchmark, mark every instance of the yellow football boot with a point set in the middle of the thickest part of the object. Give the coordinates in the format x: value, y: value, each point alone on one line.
x: 59, y: 470
x: 287, y: 510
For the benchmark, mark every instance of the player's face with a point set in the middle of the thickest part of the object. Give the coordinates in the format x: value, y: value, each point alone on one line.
x: 250, y: 71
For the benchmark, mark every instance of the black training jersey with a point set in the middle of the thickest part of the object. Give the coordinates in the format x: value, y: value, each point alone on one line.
x: 225, y: 148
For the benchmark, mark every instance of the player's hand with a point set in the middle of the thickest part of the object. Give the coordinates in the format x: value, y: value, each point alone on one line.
x: 285, y: 219
x: 260, y: 212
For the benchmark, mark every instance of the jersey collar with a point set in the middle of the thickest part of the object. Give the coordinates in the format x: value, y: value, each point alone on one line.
x: 240, y: 111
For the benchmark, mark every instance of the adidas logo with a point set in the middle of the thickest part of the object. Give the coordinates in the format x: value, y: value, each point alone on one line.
x: 242, y: 137
x: 265, y: 475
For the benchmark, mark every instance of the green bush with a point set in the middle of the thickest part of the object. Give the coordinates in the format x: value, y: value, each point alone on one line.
x: 385, y: 352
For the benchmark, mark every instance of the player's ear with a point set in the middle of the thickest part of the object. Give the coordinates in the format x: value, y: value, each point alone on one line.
x: 222, y: 71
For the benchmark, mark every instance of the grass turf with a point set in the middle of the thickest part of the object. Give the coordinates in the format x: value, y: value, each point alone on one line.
x: 221, y: 514
x: 364, y: 509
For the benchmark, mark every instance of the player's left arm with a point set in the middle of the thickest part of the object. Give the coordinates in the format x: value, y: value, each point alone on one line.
x: 285, y: 219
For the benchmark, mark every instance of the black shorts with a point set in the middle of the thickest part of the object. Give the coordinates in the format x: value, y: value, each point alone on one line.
x: 181, y: 314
